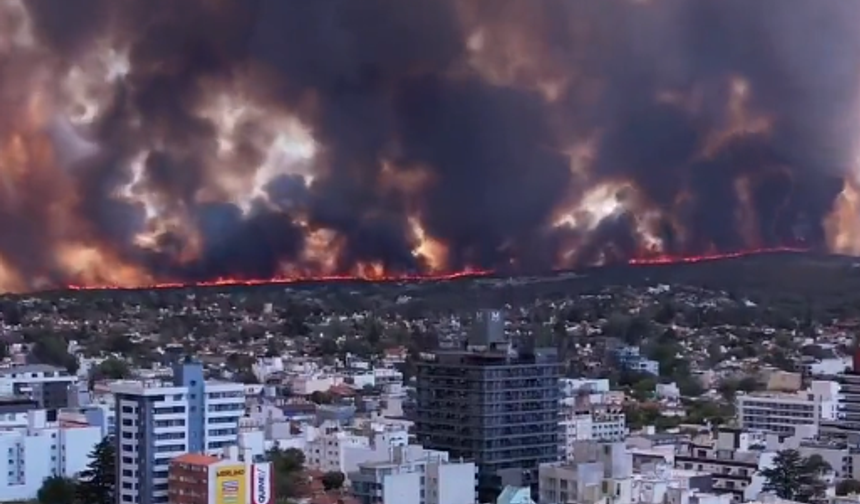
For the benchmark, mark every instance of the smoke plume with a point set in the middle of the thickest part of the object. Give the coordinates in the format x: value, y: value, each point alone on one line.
x: 146, y: 141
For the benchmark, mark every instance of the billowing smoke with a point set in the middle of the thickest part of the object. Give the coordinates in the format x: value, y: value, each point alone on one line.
x: 144, y: 141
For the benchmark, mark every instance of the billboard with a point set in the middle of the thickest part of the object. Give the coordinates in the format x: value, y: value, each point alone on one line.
x: 261, y: 484
x: 230, y: 486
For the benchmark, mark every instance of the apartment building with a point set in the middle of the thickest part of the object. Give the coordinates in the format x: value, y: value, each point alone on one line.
x: 631, y: 359
x: 731, y: 458
x: 782, y: 413
x: 343, y: 450
x: 601, y: 472
x: 47, y: 385
x: 412, y: 475
x: 40, y: 450
x: 608, y: 423
x: 593, y: 422
x: 576, y: 426
x: 156, y: 422
x: 662, y: 483
x: 847, y: 424
x: 492, y: 402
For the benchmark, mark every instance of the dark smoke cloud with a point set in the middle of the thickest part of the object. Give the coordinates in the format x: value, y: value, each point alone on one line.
x: 454, y: 95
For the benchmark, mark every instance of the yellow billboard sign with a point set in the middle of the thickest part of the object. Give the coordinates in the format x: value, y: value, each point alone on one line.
x: 230, y: 486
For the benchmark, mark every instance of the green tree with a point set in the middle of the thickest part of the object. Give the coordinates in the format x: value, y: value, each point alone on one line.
x: 665, y: 313
x: 333, y: 480
x: 644, y: 388
x: 57, y: 490
x: 702, y: 411
x: 53, y: 350
x: 796, y: 478
x: 98, y: 481
x: 616, y: 325
x: 275, y: 347
x: 848, y: 487
x: 327, y: 346
x: 120, y: 344
x: 113, y: 369
x: 749, y: 384
x: 373, y: 333
x: 318, y: 397
x: 690, y: 387
x: 728, y: 389
x: 287, y: 466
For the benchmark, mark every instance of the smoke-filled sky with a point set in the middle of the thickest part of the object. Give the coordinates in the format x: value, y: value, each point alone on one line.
x: 144, y: 141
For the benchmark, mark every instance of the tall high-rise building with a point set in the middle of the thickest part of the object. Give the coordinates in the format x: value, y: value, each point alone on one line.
x: 492, y: 402
x: 847, y: 425
x: 156, y: 422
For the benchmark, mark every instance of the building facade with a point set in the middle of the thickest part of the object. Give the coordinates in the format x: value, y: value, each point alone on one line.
x: 157, y: 422
x: 341, y: 451
x: 205, y: 479
x: 631, y: 359
x: 599, y: 472
x: 782, y: 413
x: 47, y: 385
x: 731, y: 459
x: 411, y: 475
x: 492, y: 403
x: 40, y: 450
x: 847, y: 424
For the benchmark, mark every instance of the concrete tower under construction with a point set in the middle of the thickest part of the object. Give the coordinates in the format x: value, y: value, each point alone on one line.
x: 491, y: 401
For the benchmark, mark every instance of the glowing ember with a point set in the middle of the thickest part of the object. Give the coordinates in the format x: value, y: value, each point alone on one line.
x: 227, y: 282
x: 664, y: 259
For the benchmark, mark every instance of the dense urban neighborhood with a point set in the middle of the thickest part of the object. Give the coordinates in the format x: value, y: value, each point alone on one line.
x: 554, y: 390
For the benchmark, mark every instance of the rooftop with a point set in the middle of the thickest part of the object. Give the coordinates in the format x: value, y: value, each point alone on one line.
x: 15, y: 399
x: 197, y: 459
x: 31, y: 368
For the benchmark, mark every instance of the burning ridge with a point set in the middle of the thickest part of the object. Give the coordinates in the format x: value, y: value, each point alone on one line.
x: 463, y: 275
x: 150, y: 142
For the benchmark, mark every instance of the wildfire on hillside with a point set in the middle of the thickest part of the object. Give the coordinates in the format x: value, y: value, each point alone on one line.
x: 147, y: 143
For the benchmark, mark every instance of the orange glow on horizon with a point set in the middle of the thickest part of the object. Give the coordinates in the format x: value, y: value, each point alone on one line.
x: 467, y: 274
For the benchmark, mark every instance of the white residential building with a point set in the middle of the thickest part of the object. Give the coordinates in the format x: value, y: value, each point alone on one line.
x: 576, y: 425
x: 156, y: 422
x: 782, y: 413
x: 667, y: 391
x: 826, y: 367
x: 593, y: 390
x: 662, y: 484
x: 413, y: 475
x: 310, y: 383
x: 40, y: 450
x: 608, y: 424
x: 47, y: 385
x: 602, y: 472
x: 387, y: 376
x: 266, y: 366
x: 733, y: 457
x: 343, y: 451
